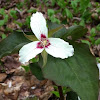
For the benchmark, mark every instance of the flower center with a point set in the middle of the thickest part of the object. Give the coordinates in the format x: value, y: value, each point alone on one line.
x: 44, y: 43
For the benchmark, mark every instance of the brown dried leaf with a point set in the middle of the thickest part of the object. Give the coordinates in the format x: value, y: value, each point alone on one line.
x: 2, y: 77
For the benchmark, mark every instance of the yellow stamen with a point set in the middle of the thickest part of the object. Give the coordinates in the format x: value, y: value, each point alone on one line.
x: 44, y: 42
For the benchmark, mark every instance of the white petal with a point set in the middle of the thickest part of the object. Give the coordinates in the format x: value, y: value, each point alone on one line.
x: 59, y: 48
x: 98, y: 64
x: 79, y: 98
x: 38, y: 25
x: 29, y: 51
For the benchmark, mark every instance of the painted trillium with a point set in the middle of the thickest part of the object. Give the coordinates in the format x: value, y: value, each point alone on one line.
x: 54, y: 46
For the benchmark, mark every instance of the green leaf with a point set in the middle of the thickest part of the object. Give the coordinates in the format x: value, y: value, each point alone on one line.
x: 27, y: 69
x: 12, y: 43
x: 56, y: 93
x: 51, y: 12
x: 32, y: 10
x: 68, y: 13
x: 82, y: 22
x: 86, y: 41
x: 93, y: 32
x: 2, y: 11
x: 59, y: 31
x: 84, y: 4
x: 18, y: 23
x: 3, y: 36
x: 36, y: 70
x: 6, y: 18
x: 27, y: 22
x: 78, y: 72
x: 98, y: 27
x: 75, y: 32
x: 13, y: 14
x: 52, y: 25
x: 2, y: 22
x: 56, y: 30
x: 97, y: 42
x: 54, y: 19
x: 74, y: 4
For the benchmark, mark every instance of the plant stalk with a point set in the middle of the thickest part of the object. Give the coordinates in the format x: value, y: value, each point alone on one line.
x: 60, y: 93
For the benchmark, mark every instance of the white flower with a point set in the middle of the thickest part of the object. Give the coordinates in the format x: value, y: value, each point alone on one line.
x: 98, y: 64
x: 79, y: 98
x: 53, y: 46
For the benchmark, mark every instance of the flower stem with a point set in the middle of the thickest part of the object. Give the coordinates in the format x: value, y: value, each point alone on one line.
x: 60, y: 93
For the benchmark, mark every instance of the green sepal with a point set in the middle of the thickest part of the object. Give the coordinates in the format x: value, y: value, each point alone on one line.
x: 44, y: 56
